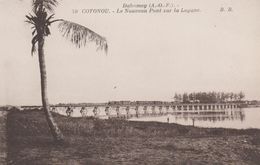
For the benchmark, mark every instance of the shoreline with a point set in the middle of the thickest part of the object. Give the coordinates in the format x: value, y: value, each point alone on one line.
x: 115, y: 141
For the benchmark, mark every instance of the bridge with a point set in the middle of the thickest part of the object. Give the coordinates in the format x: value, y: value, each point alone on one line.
x: 130, y: 111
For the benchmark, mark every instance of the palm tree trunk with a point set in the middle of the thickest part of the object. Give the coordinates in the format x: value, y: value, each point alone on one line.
x: 55, y: 131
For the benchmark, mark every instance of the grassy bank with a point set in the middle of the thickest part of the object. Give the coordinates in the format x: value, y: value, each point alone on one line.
x: 94, y: 141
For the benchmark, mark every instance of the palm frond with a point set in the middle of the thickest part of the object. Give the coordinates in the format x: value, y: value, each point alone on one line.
x: 80, y: 35
x: 30, y: 19
x: 34, y: 41
x: 47, y: 4
x: 49, y: 18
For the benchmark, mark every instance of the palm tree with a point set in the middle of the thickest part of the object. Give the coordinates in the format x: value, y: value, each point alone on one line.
x: 41, y: 19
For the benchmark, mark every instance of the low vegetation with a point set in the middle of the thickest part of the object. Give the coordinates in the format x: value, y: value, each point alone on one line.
x: 96, y: 141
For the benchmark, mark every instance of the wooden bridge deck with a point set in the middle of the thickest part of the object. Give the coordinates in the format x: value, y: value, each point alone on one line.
x: 129, y: 111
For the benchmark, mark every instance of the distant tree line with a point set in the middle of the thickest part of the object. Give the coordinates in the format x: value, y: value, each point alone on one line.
x: 209, y: 97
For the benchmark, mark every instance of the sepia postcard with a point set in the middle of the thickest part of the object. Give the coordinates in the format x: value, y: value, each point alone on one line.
x: 151, y: 82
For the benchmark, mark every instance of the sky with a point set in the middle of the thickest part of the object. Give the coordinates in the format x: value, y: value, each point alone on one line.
x: 150, y: 56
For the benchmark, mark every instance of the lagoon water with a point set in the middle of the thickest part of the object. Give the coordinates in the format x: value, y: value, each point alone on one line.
x: 240, y: 118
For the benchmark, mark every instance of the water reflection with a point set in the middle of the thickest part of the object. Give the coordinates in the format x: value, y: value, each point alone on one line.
x: 212, y: 116
x: 226, y: 118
